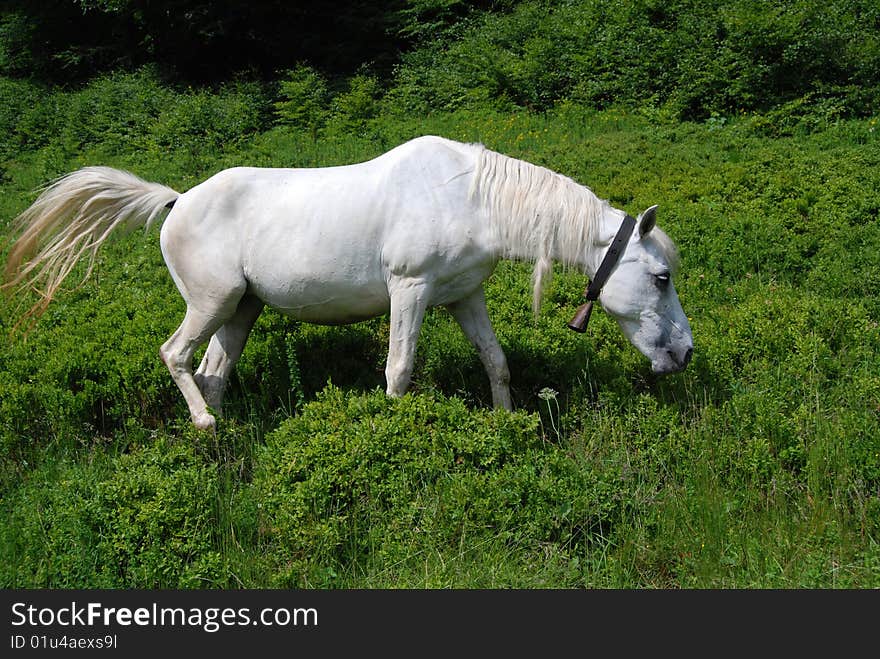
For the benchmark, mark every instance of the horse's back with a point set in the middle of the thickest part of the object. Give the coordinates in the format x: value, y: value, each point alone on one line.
x: 397, y: 179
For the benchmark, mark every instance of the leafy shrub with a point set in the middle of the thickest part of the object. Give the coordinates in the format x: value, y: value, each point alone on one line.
x: 116, y: 111
x: 692, y: 58
x: 360, y: 479
x: 356, y: 106
x: 28, y: 116
x: 148, y: 520
x: 121, y: 114
x: 202, y: 122
x: 304, y: 96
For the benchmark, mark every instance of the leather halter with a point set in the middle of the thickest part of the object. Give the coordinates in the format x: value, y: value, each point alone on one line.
x: 594, y: 288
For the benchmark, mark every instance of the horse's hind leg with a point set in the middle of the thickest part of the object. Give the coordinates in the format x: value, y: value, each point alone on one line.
x: 224, y: 350
x: 473, y: 317
x: 177, y: 353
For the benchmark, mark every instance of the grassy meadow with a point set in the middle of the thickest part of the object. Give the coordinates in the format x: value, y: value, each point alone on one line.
x: 757, y: 467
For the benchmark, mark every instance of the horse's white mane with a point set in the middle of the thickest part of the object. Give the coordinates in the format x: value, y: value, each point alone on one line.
x: 536, y: 214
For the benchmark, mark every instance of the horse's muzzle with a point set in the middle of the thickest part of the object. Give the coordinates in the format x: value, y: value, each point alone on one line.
x: 674, y: 362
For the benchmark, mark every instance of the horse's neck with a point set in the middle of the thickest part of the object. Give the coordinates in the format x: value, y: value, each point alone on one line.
x: 595, y: 250
x: 540, y: 215
x: 559, y: 235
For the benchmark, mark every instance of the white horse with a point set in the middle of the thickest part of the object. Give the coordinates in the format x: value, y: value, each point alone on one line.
x: 422, y: 225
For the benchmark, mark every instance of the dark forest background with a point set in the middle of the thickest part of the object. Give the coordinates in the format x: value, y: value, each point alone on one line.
x: 693, y: 58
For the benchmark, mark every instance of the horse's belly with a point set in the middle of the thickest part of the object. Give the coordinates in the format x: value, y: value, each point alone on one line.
x: 325, y: 302
x: 335, y: 312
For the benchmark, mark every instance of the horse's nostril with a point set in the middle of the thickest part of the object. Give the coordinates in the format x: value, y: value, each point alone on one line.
x: 680, y: 360
x: 687, y: 357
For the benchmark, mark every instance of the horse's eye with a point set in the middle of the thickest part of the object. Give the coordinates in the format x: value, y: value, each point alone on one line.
x: 662, y: 279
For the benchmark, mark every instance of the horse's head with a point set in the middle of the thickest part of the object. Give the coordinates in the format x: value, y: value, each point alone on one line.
x: 640, y: 295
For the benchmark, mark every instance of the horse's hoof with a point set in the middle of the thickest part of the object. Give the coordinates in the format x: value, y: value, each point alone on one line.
x: 205, y: 421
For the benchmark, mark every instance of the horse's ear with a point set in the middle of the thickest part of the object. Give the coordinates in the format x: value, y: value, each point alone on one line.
x: 647, y: 221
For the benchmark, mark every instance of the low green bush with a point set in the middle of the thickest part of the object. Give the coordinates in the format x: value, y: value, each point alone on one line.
x: 143, y: 519
x: 303, y: 98
x: 365, y: 484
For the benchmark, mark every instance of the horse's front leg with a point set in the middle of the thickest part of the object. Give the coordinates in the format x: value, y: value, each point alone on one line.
x: 409, y: 299
x: 473, y: 317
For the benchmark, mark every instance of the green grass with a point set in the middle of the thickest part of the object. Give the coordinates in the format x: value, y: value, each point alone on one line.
x: 757, y: 467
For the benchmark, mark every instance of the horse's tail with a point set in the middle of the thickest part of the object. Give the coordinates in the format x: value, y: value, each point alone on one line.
x: 73, y: 216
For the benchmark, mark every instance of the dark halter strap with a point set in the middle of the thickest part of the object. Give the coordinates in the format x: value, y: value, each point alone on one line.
x: 612, y: 256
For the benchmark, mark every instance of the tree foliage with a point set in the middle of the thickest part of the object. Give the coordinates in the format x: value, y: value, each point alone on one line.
x: 691, y: 58
x: 688, y: 58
